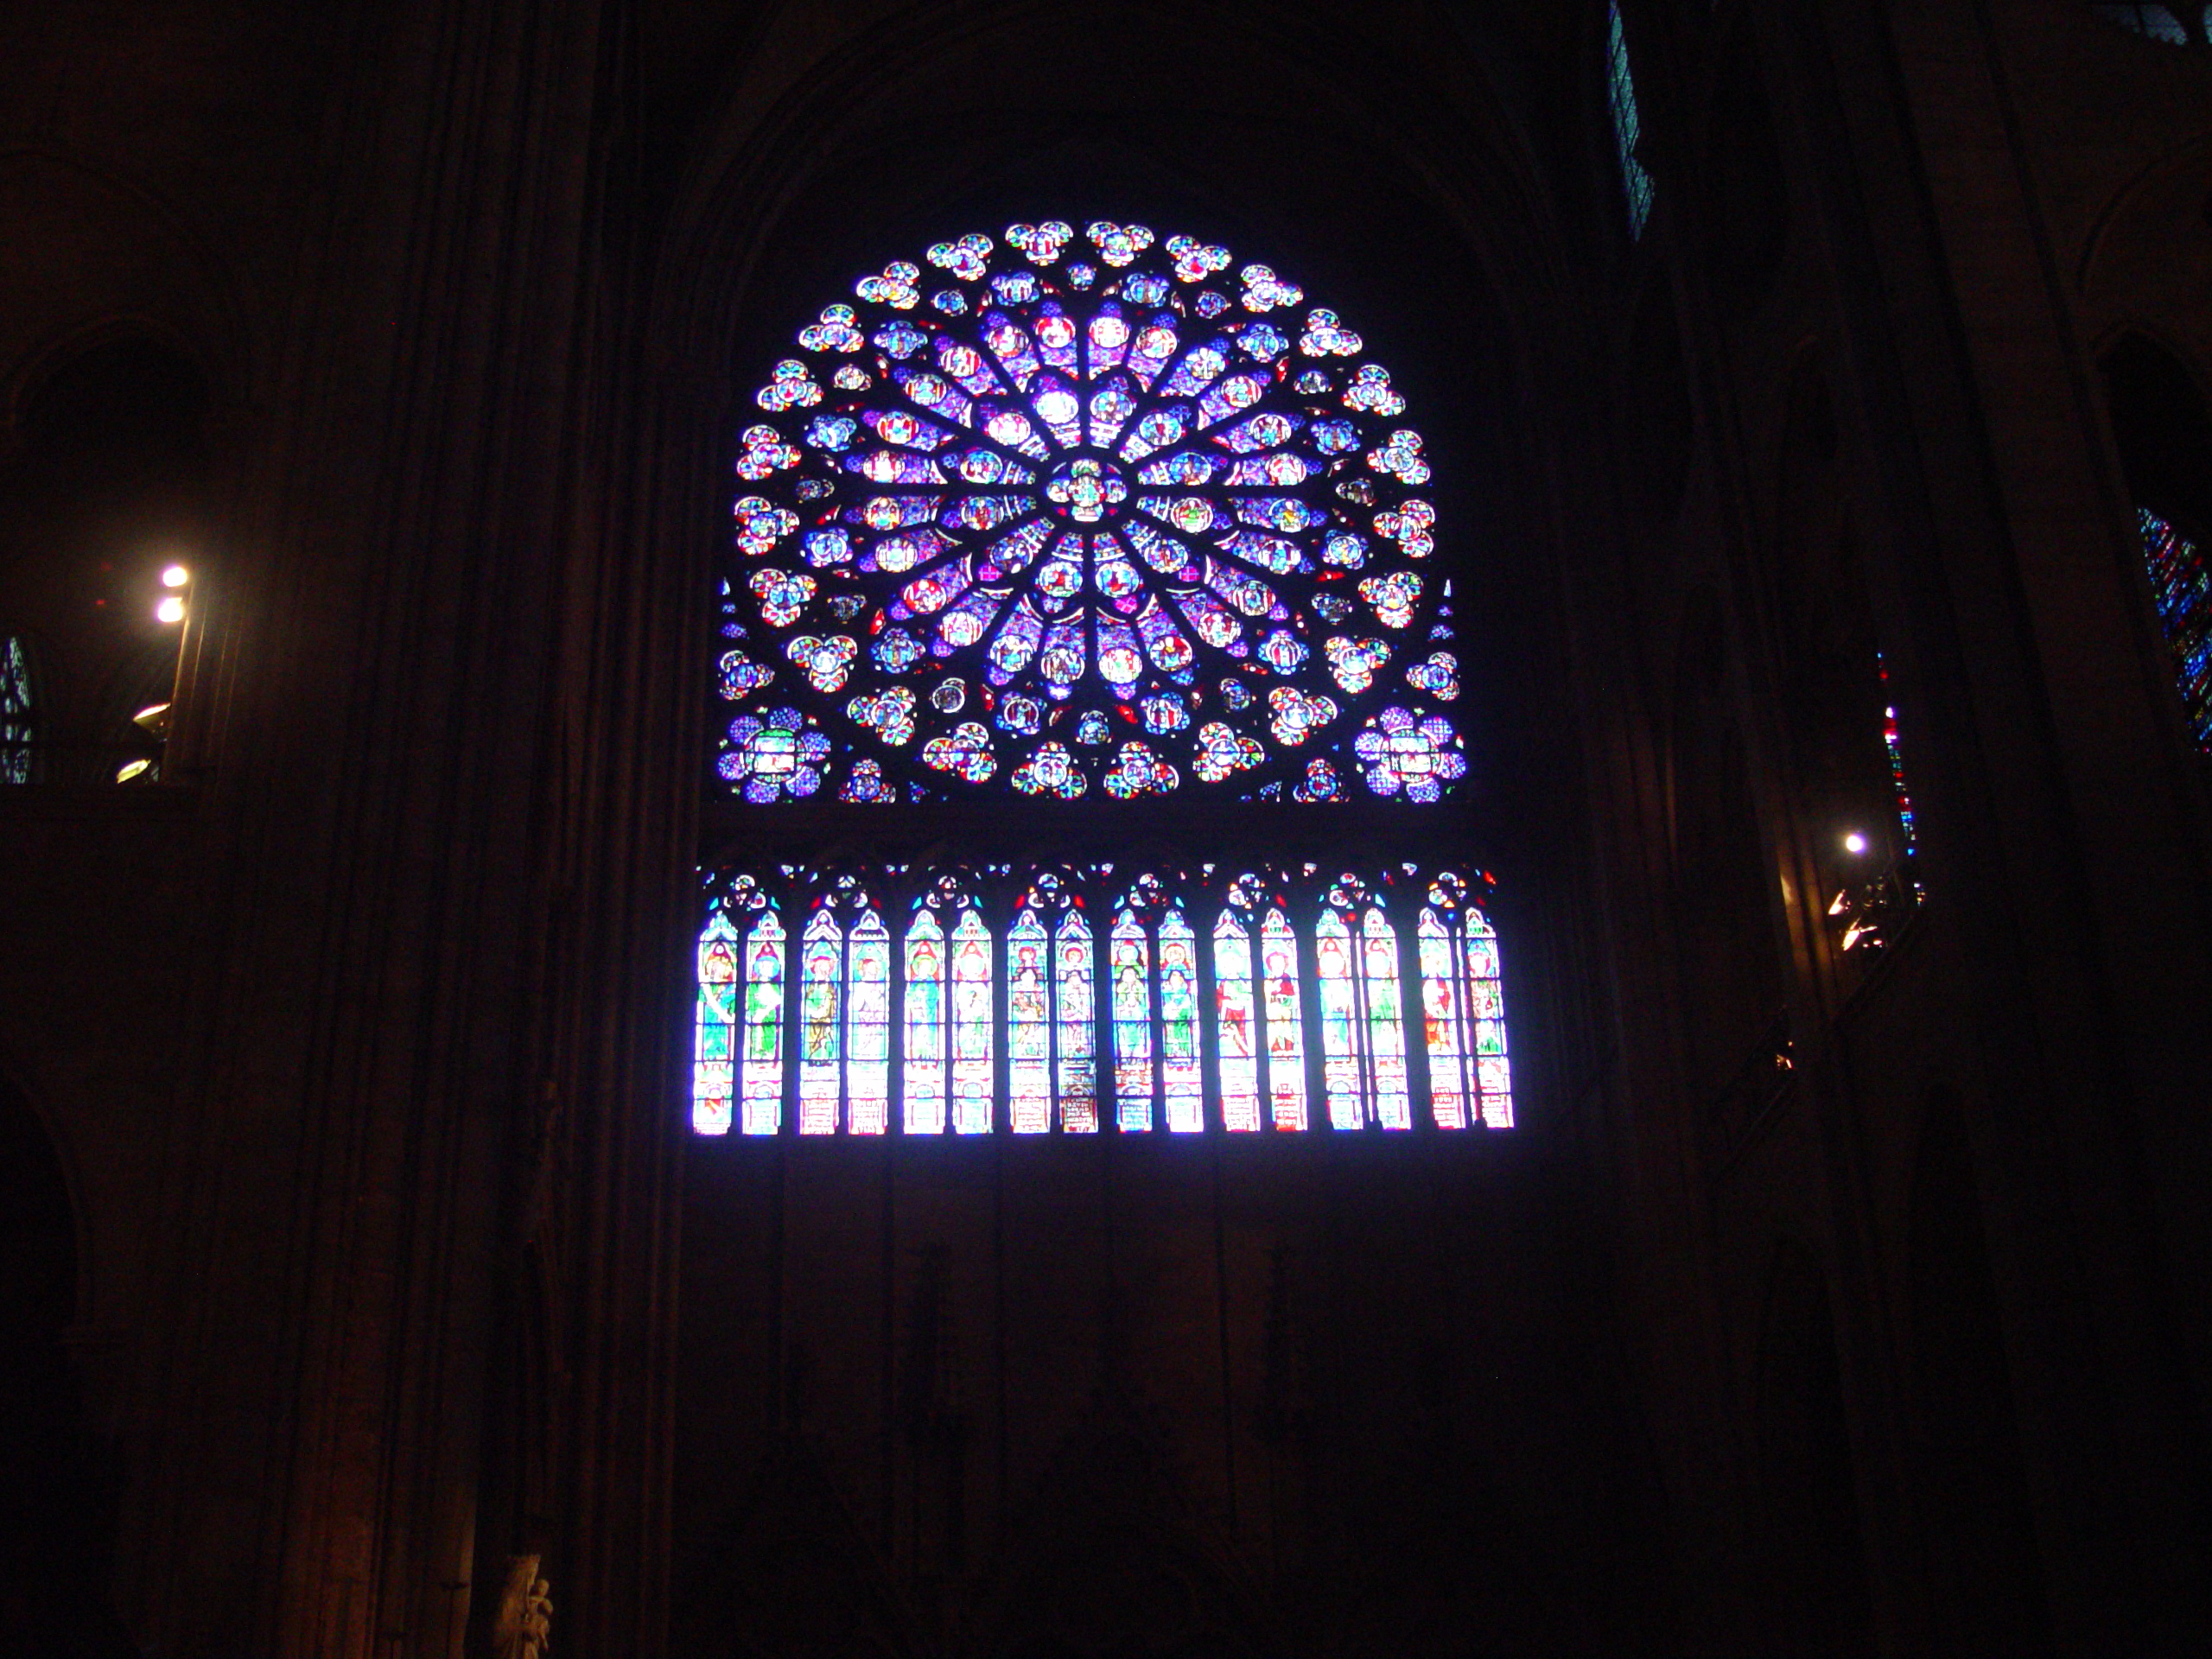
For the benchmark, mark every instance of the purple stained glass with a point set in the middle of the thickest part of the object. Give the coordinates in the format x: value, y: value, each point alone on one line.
x: 1091, y: 466
x: 2180, y: 584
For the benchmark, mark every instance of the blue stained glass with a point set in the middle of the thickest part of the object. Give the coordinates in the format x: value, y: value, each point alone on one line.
x: 2180, y: 584
x: 1628, y: 124
x: 1028, y: 1026
x: 2165, y: 23
x: 1077, y: 488
x: 17, y: 726
x: 1180, y: 1073
x: 1201, y: 1029
x: 763, y: 1080
x: 1134, y: 1087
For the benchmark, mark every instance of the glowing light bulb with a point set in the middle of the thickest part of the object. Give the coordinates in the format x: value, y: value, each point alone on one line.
x: 175, y: 576
x: 171, y: 609
x: 1855, y: 842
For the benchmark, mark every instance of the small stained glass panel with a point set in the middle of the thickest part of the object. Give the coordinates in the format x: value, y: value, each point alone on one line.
x: 2180, y: 584
x: 1386, y: 1022
x: 1286, y: 1029
x: 868, y: 1025
x: 1134, y: 1088
x: 820, y: 1025
x: 763, y: 1074
x: 1342, y: 1067
x: 924, y: 1074
x: 1028, y: 1026
x: 972, y: 1047
x: 1628, y: 122
x: 1237, y: 1025
x: 713, y: 1054
x: 1180, y: 1071
x: 1076, y: 1014
x: 18, y: 729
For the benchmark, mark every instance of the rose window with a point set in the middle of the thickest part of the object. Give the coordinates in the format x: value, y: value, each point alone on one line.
x: 1100, y: 512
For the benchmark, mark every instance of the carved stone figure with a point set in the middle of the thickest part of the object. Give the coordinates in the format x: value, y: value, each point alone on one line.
x: 525, y: 1628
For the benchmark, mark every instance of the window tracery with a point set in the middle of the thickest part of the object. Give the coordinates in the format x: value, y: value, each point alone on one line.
x: 1297, y: 990
x: 1083, y: 514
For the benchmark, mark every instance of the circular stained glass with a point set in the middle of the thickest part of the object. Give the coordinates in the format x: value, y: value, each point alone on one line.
x: 1103, y: 514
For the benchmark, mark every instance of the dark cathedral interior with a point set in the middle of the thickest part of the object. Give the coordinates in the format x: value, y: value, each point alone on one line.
x: 1814, y: 431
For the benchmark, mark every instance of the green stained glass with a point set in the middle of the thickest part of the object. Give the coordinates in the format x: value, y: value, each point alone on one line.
x: 1181, y: 1073
x: 763, y: 1079
x: 1386, y: 1024
x: 1285, y: 1030
x: 1028, y: 1027
x: 1079, y: 1069
x: 1341, y: 1070
x: 1443, y: 1016
x: 820, y: 1024
x: 868, y: 1025
x: 924, y: 1074
x: 1134, y: 1089
x: 971, y: 1026
x: 714, y: 1067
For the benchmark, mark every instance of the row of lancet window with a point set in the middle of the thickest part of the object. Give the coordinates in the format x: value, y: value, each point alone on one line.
x: 1072, y: 999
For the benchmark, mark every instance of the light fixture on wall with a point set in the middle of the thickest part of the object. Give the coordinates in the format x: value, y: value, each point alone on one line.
x: 170, y: 608
x: 1854, y: 843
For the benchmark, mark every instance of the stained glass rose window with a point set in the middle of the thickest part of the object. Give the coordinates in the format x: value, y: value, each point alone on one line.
x: 1083, y: 514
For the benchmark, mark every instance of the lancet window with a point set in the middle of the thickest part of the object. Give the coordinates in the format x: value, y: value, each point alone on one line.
x: 18, y: 726
x: 1365, y: 990
x: 1628, y: 122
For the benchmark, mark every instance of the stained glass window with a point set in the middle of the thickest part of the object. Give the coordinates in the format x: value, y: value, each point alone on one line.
x: 1135, y: 1090
x: 1080, y: 515
x: 1066, y: 520
x: 739, y: 1046
x: 16, y: 726
x: 1628, y: 124
x: 925, y: 1072
x: 1280, y: 941
x: 1280, y: 1003
x: 1363, y: 1025
x: 1463, y: 1012
x: 2181, y: 582
x: 1237, y: 1024
x: 1180, y: 1073
x: 2177, y: 25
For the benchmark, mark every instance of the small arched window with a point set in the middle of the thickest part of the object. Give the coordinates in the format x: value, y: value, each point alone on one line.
x: 2177, y: 25
x: 1071, y: 576
x: 1628, y: 122
x: 18, y: 713
x: 2163, y: 429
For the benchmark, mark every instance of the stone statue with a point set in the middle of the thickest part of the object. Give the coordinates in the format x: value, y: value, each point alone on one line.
x: 525, y: 1628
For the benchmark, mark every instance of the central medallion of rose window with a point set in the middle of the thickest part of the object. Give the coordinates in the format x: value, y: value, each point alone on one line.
x: 1088, y: 491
